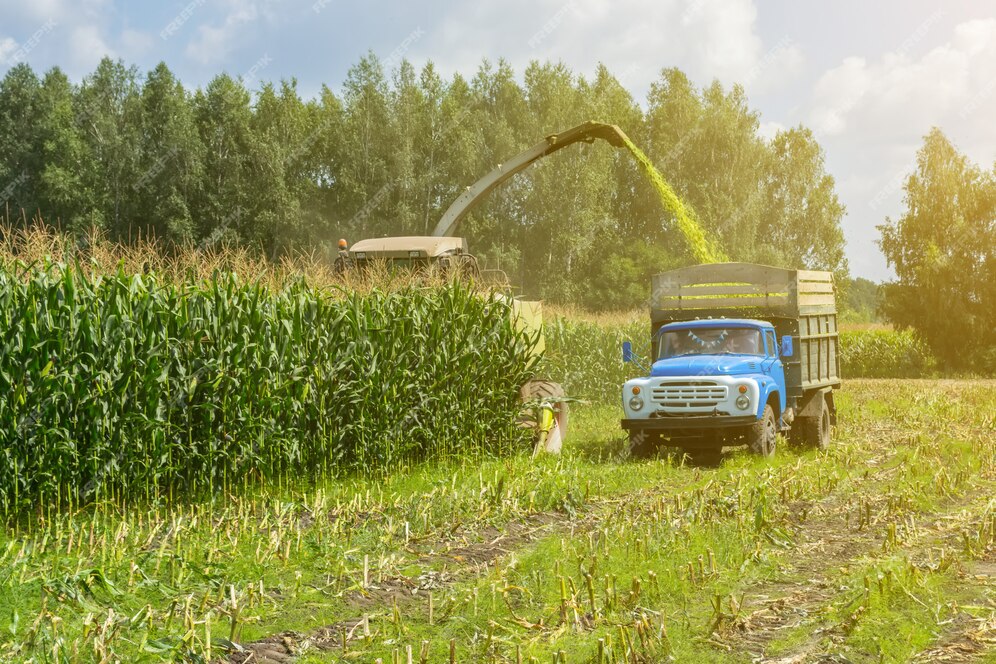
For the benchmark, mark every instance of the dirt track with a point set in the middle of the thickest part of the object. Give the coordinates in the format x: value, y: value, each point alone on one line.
x: 811, y: 609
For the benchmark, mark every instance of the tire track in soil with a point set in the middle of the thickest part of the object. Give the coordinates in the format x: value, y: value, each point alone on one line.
x: 829, y: 544
x: 968, y: 638
x: 825, y: 543
x: 475, y: 559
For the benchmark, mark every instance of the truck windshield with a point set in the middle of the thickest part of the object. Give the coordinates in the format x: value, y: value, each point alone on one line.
x: 710, y: 341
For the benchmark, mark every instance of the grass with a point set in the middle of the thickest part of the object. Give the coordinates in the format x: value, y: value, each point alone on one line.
x: 581, y: 554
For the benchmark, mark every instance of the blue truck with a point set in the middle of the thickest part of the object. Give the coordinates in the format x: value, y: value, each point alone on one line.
x: 739, y: 354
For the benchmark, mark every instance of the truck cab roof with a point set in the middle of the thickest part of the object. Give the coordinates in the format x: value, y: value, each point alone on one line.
x: 716, y: 322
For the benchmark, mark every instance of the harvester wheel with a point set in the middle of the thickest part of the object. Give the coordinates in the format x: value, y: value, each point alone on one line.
x: 548, y: 395
x: 341, y: 265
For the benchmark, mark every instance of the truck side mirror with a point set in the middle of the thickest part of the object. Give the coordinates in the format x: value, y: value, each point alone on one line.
x: 787, y: 349
x: 627, y: 349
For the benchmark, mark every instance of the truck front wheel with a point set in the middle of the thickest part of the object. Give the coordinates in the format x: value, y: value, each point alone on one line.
x: 763, y: 434
x: 643, y: 445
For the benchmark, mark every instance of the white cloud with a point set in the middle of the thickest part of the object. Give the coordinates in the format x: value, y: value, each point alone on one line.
x: 214, y: 42
x: 706, y: 38
x: 779, y: 64
x: 135, y: 43
x: 897, y: 93
x: 87, y: 47
x: 43, y: 10
x: 768, y: 130
x: 871, y: 114
x: 66, y: 33
x: 837, y: 92
x: 7, y: 48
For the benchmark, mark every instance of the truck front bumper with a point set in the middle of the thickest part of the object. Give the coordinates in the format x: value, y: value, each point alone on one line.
x: 664, y: 424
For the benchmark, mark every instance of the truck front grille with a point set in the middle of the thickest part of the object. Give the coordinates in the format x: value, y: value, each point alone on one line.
x: 689, y: 394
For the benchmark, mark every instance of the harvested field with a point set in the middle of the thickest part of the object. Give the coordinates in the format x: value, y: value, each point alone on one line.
x: 882, y: 549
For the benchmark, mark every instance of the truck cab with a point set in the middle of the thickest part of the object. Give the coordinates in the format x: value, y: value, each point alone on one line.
x: 715, y: 379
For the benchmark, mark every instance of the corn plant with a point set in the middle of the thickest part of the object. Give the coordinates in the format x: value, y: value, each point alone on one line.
x: 586, y: 356
x: 131, y: 385
x: 884, y: 354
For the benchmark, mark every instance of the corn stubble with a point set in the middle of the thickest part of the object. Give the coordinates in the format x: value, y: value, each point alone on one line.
x: 136, y: 385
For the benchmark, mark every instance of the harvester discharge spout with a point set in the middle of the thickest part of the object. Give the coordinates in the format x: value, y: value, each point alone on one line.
x: 587, y: 132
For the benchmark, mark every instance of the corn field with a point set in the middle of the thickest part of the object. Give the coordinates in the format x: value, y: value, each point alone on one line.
x: 586, y: 355
x: 885, y: 354
x: 127, y: 385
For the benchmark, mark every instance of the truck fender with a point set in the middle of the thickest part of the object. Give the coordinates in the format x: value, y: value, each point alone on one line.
x: 766, y: 392
x: 809, y: 405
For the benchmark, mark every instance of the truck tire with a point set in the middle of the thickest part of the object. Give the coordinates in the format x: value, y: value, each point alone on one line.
x: 816, y: 430
x: 643, y: 445
x: 538, y: 390
x: 763, y: 434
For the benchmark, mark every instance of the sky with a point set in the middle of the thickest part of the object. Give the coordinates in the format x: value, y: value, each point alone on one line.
x: 870, y: 77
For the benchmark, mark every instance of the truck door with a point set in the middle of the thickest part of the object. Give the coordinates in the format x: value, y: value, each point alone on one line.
x: 773, y: 365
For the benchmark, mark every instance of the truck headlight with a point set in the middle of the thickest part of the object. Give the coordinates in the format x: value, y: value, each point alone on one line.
x: 743, y: 402
x: 636, y: 403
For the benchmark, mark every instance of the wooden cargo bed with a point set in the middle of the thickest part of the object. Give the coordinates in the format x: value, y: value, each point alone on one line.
x: 800, y: 303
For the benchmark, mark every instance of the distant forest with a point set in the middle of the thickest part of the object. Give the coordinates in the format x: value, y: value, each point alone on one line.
x: 139, y: 154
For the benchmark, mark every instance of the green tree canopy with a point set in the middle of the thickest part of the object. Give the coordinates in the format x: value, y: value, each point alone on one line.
x: 943, y: 249
x: 389, y: 151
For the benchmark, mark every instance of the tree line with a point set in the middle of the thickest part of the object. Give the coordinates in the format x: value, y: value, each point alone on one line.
x: 943, y: 250
x: 142, y: 155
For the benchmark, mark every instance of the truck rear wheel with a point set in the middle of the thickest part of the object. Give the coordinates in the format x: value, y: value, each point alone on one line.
x: 763, y: 434
x: 816, y: 430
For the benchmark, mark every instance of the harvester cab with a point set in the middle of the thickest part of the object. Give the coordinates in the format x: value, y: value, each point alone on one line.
x: 410, y: 253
